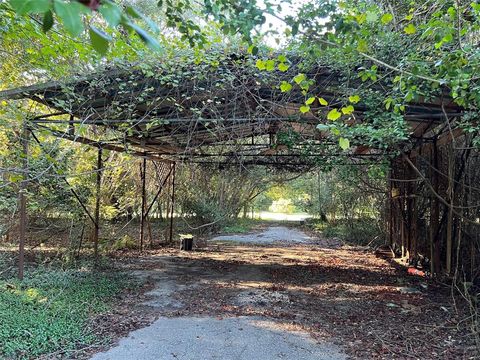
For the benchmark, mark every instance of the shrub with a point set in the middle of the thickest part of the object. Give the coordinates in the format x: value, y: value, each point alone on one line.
x: 359, y: 231
x: 125, y: 243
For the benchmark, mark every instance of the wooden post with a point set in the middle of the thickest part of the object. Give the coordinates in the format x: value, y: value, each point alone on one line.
x: 97, y: 203
x: 143, y: 170
x: 22, y: 199
x: 172, y: 202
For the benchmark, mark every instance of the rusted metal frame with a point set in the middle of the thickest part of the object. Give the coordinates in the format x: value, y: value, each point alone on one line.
x: 266, y: 163
x: 143, y: 170
x: 46, y: 116
x: 450, y: 198
x: 98, y: 144
x: 158, y: 192
x: 402, y: 217
x: 22, y: 200
x: 223, y: 134
x: 398, y: 205
x: 426, y: 118
x: 412, y: 213
x: 43, y: 119
x: 174, y: 165
x: 27, y: 91
x: 455, y: 236
x: 436, y: 254
x: 414, y: 226
x: 408, y: 211
x: 97, y: 203
x: 74, y: 193
x: 465, y: 156
x: 325, y: 84
x: 280, y: 155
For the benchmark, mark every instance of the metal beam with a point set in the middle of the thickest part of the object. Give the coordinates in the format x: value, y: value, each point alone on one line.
x: 65, y: 180
x: 174, y: 165
x: 158, y: 192
x: 97, y: 204
x: 97, y: 144
x: 268, y: 163
x: 143, y: 170
x: 269, y: 155
x: 23, y: 202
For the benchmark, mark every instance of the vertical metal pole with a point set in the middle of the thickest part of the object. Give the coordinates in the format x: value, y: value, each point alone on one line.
x: 450, y: 198
x: 71, y: 125
x: 22, y: 199
x: 409, y: 175
x: 143, y: 169
x: 390, y: 205
x: 414, y: 214
x: 172, y: 202
x: 434, y: 214
x: 97, y: 203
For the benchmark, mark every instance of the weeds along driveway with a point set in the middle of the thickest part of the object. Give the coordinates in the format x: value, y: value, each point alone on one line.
x: 312, y: 299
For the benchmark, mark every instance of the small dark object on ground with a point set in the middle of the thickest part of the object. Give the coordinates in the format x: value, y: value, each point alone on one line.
x: 186, y: 244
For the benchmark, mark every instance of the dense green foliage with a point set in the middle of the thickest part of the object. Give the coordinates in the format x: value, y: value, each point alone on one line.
x: 385, y: 56
x: 49, y: 311
x: 361, y: 231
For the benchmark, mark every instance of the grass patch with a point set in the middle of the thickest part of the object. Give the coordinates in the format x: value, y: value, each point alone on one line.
x: 240, y: 226
x: 50, y: 309
x: 358, y: 231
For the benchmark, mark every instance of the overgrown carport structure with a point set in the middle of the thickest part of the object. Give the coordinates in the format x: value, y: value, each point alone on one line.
x: 231, y: 114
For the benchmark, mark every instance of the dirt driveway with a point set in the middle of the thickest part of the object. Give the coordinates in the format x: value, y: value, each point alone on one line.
x: 284, y: 299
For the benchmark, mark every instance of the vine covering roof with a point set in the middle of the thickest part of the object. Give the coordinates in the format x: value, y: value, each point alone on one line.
x: 206, y: 112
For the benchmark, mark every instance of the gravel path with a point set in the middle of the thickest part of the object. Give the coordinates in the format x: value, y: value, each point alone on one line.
x: 270, y: 235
